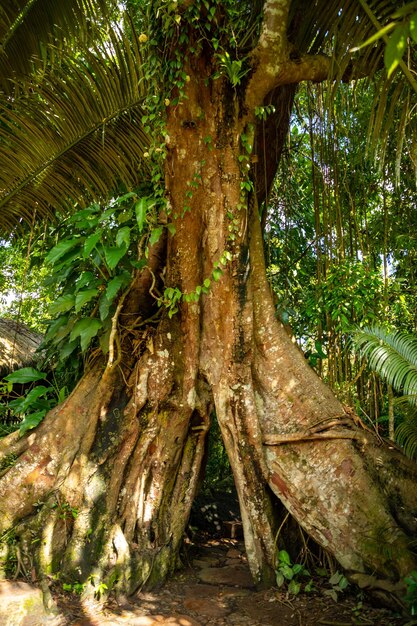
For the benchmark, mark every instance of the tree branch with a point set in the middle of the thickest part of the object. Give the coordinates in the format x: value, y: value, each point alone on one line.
x: 273, y: 60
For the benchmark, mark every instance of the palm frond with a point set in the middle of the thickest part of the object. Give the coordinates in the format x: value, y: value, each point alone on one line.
x: 75, y: 135
x: 338, y: 26
x: 406, y: 435
x: 392, y: 355
x: 27, y: 27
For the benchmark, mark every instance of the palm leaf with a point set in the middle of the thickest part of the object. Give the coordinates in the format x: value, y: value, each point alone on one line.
x: 27, y: 27
x: 406, y: 435
x: 75, y: 135
x: 392, y: 355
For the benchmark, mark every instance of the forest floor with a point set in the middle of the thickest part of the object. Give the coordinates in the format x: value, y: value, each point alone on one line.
x: 214, y: 588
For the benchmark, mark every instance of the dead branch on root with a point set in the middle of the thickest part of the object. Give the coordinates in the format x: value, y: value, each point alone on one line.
x: 319, y: 432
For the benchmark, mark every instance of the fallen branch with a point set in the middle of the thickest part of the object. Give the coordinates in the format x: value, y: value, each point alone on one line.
x: 277, y: 440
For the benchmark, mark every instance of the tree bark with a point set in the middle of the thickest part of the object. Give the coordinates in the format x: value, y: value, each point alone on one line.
x: 101, y: 491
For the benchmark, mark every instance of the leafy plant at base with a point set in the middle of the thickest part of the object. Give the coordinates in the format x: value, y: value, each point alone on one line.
x: 338, y: 584
x: 411, y: 595
x: 290, y: 572
x: 76, y: 587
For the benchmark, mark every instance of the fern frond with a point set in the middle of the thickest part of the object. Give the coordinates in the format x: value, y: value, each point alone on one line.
x: 392, y: 355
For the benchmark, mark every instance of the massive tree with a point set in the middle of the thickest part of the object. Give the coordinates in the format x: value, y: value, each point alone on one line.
x: 201, y: 91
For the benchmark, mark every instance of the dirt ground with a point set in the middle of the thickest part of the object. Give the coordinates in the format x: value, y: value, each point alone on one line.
x: 215, y: 589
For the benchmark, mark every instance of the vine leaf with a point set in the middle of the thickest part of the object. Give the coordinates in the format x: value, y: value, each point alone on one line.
x: 85, y: 329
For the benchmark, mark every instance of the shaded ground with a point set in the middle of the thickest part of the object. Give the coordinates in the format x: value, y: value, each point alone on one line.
x: 214, y: 589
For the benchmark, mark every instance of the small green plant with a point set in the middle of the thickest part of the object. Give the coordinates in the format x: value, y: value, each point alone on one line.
x: 31, y: 407
x: 65, y: 510
x: 411, y: 595
x: 357, y: 610
x: 99, y: 589
x: 291, y: 572
x: 234, y: 68
x: 338, y: 583
x: 8, y: 461
x: 76, y: 587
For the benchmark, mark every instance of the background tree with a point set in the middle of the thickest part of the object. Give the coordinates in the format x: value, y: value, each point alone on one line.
x: 181, y: 93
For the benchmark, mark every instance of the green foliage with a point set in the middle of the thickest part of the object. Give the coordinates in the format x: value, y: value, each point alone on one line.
x: 30, y: 408
x: 23, y: 294
x: 218, y: 473
x: 77, y: 587
x: 7, y: 461
x: 289, y: 572
x: 403, y: 25
x: 65, y: 510
x: 91, y: 266
x: 394, y: 357
x: 411, y: 595
x: 338, y: 583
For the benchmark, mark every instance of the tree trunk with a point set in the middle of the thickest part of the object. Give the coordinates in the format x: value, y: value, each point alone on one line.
x: 102, y: 489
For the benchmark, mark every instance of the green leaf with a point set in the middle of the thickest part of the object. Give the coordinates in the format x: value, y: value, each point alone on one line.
x: 123, y: 236
x: 31, y: 421
x: 62, y: 304
x: 54, y: 326
x: 343, y: 583
x: 413, y: 27
x: 139, y: 265
x: 332, y: 593
x: 85, y: 279
x: 67, y: 350
x: 335, y: 578
x: 279, y: 578
x: 60, y: 249
x: 86, y: 329
x: 25, y: 375
x: 284, y: 557
x: 31, y: 397
x: 125, y: 196
x: 62, y: 394
x: 63, y: 330
x: 114, y: 254
x: 141, y: 208
x: 106, y: 214
x: 217, y: 273
x: 104, y: 307
x: 116, y: 284
x: 395, y: 48
x: 83, y: 297
x: 287, y: 572
x: 104, y: 341
x: 91, y: 242
x: 84, y: 214
x: 294, y: 587
x: 155, y: 235
x: 380, y: 33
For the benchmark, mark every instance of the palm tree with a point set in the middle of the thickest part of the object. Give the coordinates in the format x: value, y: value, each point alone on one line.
x: 210, y: 83
x: 393, y: 355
